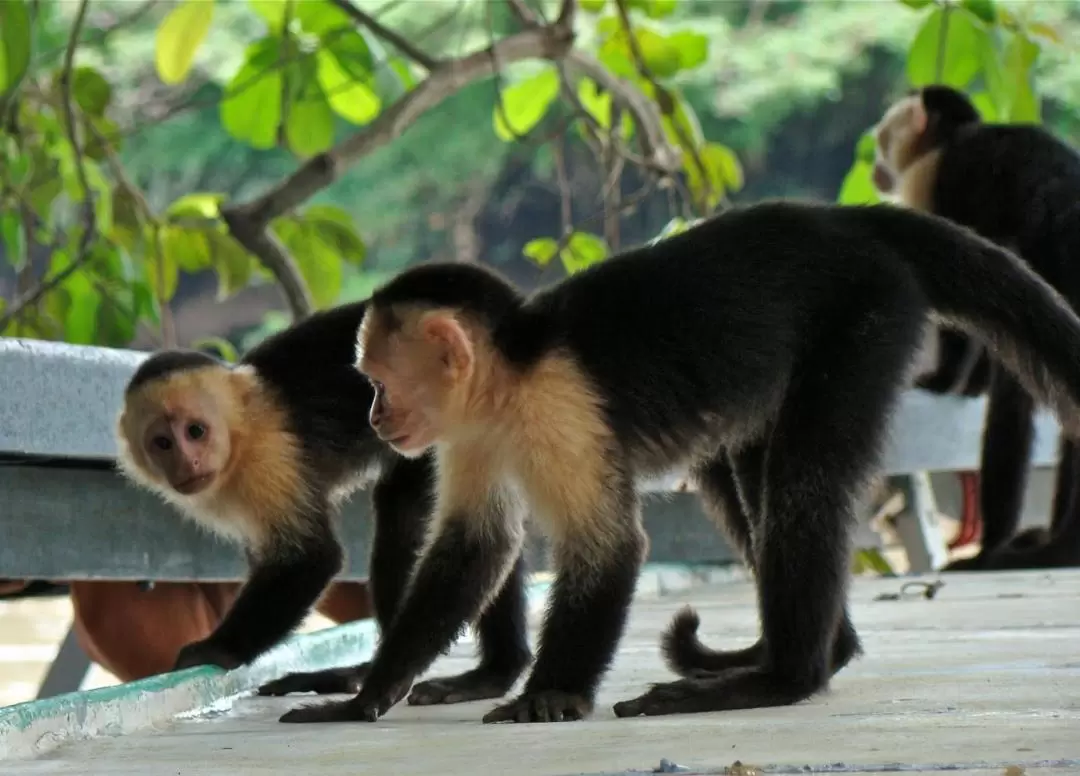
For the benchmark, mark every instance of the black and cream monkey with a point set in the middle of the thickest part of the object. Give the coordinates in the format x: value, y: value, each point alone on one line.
x: 1018, y: 185
x: 766, y: 348
x: 263, y: 453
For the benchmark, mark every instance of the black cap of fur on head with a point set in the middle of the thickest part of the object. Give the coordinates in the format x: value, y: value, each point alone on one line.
x: 473, y: 288
x: 167, y: 362
x: 948, y: 109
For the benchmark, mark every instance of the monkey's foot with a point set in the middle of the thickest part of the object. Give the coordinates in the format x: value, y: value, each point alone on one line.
x: 201, y: 653
x: 334, y: 680
x: 362, y: 708
x: 543, y: 706
x: 737, y: 689
x: 476, y: 685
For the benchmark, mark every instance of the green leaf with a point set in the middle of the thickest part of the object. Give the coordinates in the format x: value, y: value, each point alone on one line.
x: 692, y: 47
x: 963, y: 50
x: 233, y: 264
x: 219, y: 345
x: 592, y: 6
x: 541, y: 250
x: 658, y: 9
x: 271, y: 11
x: 14, y: 239
x: 90, y: 89
x: 188, y: 249
x: 723, y: 166
x: 179, y: 36
x: 309, y: 126
x: 617, y: 59
x: 1044, y: 31
x: 858, y: 186
x: 404, y: 73
x: 662, y: 57
x: 163, y: 262
x: 983, y: 9
x: 675, y: 226
x: 335, y: 228
x: 320, y: 17
x: 582, y: 251
x: 351, y: 97
x: 596, y: 102
x: 317, y: 261
x: 916, y: 3
x: 199, y: 205
x: 525, y: 103
x: 16, y: 39
x: 866, y: 148
x: 1020, y: 55
x: 252, y: 109
x: 984, y: 103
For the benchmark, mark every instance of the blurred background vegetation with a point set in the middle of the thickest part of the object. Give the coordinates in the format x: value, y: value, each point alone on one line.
x: 127, y: 125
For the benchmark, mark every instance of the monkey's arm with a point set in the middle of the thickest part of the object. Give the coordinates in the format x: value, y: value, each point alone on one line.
x: 452, y: 583
x: 286, y: 579
x: 401, y: 503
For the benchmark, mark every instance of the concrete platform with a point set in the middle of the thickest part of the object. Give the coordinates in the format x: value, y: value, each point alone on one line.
x: 984, y: 676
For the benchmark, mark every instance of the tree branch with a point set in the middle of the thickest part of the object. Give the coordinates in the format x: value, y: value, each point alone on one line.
x: 89, y: 212
x: 418, y: 56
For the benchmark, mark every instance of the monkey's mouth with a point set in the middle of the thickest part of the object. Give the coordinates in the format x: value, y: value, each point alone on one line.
x: 196, y: 484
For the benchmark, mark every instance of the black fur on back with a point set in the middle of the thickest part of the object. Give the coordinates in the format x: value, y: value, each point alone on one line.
x: 167, y: 362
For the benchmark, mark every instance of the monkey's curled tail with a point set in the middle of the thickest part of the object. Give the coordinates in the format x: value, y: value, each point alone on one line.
x: 682, y: 649
x: 992, y: 295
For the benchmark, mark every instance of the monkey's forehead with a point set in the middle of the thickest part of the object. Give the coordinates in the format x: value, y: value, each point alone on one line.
x: 177, y: 390
x: 167, y: 363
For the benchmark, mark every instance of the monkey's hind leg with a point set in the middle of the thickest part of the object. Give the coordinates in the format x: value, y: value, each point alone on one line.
x: 504, y: 649
x: 732, y: 490
x: 824, y: 446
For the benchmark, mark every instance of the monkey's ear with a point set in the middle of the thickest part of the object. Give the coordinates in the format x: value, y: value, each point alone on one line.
x: 919, y: 117
x: 445, y: 331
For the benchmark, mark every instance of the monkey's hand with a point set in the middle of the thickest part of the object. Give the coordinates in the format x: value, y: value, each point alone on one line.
x: 476, y: 685
x: 365, y: 707
x: 329, y: 682
x: 201, y: 653
x: 543, y: 706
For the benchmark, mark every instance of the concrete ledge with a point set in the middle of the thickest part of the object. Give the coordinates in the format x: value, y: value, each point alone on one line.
x: 28, y: 730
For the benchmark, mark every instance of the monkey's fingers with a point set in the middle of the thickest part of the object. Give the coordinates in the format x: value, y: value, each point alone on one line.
x: 353, y: 710
x: 685, y: 696
x: 544, y: 706
x: 329, y: 682
x: 476, y: 685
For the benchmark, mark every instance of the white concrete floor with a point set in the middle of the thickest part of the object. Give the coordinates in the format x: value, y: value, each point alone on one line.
x: 986, y: 673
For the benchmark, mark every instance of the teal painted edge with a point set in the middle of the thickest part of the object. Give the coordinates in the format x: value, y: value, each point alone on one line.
x: 32, y: 728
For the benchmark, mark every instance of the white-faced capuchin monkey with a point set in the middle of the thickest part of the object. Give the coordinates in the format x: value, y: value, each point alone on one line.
x: 263, y: 453
x: 772, y: 341
x: 1019, y: 186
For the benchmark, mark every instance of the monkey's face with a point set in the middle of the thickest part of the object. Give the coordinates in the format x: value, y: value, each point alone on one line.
x: 897, y: 138
x: 177, y: 436
x: 418, y: 370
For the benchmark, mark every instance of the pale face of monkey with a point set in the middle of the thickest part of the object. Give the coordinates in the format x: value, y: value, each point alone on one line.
x: 177, y: 436
x: 418, y: 370
x: 897, y: 136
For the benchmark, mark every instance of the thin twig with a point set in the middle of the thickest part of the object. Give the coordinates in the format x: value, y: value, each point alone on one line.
x: 89, y: 212
x: 414, y: 53
x: 566, y: 201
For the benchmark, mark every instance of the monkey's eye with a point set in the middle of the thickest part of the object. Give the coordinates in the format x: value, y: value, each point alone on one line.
x: 195, y: 430
x: 162, y: 443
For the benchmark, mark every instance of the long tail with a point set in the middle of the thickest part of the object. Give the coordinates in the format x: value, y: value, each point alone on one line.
x: 991, y: 294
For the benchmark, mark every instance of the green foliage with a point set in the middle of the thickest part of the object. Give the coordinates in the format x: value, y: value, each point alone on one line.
x: 523, y: 104
x: 179, y: 37
x: 972, y: 45
x: 15, y: 43
x: 577, y: 252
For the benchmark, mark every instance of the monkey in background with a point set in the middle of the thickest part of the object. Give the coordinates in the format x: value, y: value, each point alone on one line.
x: 263, y: 453
x: 1018, y: 185
x: 768, y: 345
